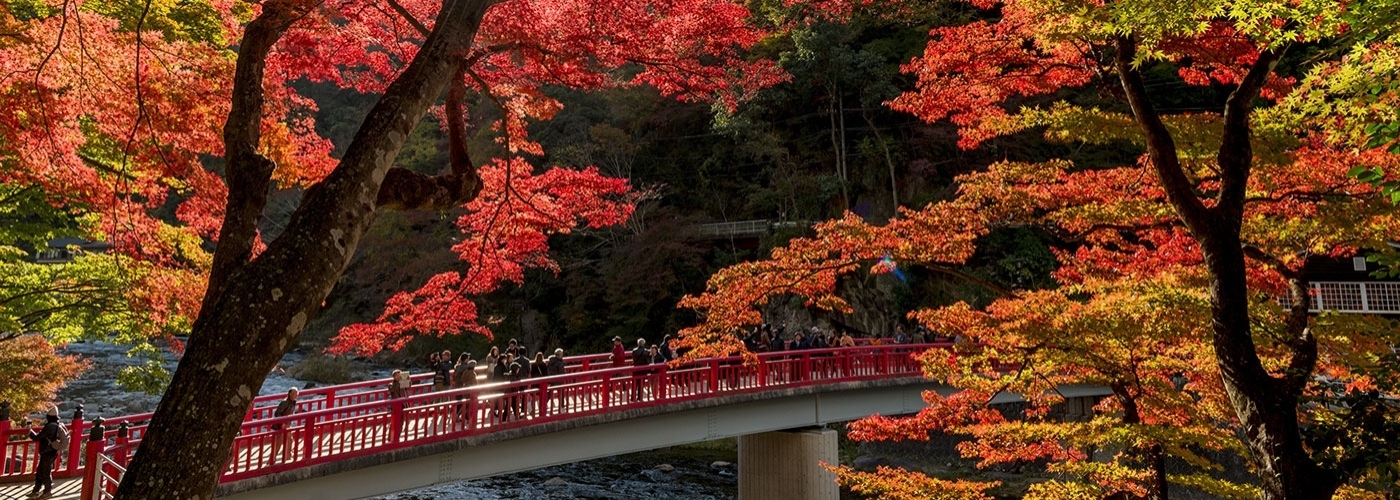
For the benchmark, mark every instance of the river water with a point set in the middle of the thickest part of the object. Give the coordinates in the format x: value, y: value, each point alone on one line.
x: 687, y: 472
x: 701, y: 473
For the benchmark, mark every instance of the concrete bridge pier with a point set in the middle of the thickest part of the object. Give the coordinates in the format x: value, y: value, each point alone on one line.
x: 787, y: 464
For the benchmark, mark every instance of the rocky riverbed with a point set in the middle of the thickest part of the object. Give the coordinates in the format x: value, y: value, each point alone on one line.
x: 98, y: 392
x: 702, y: 472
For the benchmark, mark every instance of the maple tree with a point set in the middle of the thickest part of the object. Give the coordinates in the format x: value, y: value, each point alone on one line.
x: 1169, y: 262
x: 90, y: 296
x: 113, y: 109
x: 35, y: 370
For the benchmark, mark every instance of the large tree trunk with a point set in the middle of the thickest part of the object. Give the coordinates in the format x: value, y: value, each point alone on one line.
x: 1266, y: 405
x: 255, y: 309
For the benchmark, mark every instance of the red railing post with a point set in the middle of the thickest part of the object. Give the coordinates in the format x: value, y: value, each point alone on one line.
x: 75, y: 444
x: 395, y: 420
x: 471, y: 410
x: 4, y: 436
x: 96, y: 445
x: 543, y: 398
x: 329, y: 402
x: 607, y: 391
x: 714, y: 375
x: 806, y: 366
x: 123, y: 437
x: 308, y: 439
x: 663, y: 379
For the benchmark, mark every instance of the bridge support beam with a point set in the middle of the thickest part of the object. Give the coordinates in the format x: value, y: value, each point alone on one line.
x: 787, y: 464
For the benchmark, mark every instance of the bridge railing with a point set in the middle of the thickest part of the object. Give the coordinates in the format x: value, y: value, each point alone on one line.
x: 338, y: 433
x: 19, y: 456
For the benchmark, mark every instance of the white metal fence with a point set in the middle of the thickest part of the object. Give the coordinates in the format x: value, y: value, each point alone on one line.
x: 739, y: 229
x: 1368, y: 297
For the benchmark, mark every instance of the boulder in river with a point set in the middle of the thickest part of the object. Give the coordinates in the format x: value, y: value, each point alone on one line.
x: 868, y: 463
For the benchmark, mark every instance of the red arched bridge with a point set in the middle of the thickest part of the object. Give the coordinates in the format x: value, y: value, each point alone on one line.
x: 592, y: 410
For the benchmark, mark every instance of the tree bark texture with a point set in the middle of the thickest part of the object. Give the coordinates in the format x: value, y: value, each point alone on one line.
x: 1266, y: 405
x: 255, y: 309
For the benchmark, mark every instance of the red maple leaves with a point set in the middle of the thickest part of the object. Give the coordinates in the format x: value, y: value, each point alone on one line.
x: 115, y: 113
x: 508, y: 228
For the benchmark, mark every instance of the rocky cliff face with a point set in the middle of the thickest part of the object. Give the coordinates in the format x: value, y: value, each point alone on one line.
x: 874, y: 308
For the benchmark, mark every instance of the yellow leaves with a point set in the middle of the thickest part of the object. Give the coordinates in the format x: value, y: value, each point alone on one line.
x: 1016, y: 441
x: 187, y: 246
x: 1213, y: 486
x: 1062, y: 490
x: 1108, y: 477
x: 1349, y: 492
x: 1068, y: 123
x: 1011, y: 191
x: 895, y: 484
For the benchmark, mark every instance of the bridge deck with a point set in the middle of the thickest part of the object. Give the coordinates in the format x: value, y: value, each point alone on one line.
x: 63, y: 489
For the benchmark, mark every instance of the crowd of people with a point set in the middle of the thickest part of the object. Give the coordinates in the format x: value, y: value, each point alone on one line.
x: 513, y: 364
x: 770, y: 338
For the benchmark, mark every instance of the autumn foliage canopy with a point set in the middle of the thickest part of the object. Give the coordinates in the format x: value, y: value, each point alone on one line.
x: 1134, y: 309
x: 142, y: 172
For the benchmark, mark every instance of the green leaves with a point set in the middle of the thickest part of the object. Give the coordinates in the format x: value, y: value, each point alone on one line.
x: 1381, y: 134
x: 1375, y: 176
x: 28, y: 222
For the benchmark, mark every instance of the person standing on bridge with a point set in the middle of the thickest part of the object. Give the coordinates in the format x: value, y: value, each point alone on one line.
x: 846, y: 339
x: 555, y: 364
x: 282, y: 444
x: 666, y: 351
x: 463, y: 376
x: 640, y: 357
x: 491, y: 358
x: 538, y: 367
x: 442, y: 372
x: 464, y: 373
x: 618, y: 352
x: 659, y: 361
x: 500, y: 373
x: 519, y: 369
x: 398, y: 384
x: 49, y: 438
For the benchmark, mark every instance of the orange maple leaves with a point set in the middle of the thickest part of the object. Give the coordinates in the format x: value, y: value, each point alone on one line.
x: 810, y: 267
